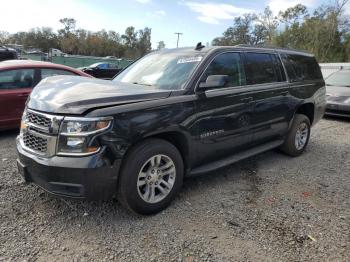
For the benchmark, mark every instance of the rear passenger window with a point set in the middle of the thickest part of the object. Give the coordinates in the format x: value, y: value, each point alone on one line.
x: 229, y: 64
x: 260, y: 69
x: 301, y: 68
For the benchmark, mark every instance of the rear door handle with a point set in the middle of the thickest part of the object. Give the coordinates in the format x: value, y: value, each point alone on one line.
x: 20, y: 95
x: 247, y: 99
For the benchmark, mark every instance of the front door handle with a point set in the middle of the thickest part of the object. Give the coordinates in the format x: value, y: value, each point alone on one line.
x: 21, y: 95
x: 247, y: 99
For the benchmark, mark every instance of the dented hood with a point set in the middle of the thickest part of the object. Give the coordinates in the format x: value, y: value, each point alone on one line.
x: 76, y: 95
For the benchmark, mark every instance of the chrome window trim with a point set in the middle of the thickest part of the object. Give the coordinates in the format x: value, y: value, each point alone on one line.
x: 246, y: 88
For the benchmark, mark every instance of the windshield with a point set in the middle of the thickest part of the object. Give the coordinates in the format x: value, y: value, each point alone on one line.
x: 169, y: 71
x: 340, y: 78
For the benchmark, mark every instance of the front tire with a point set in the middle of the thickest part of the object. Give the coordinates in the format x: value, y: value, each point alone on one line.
x: 298, y: 136
x: 151, y: 176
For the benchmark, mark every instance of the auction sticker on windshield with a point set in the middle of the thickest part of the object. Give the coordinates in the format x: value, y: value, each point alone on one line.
x: 191, y: 59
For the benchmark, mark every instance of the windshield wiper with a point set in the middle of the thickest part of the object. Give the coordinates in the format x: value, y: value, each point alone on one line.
x: 142, y: 84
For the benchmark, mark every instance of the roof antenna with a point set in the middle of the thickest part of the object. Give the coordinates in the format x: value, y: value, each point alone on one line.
x: 199, y: 46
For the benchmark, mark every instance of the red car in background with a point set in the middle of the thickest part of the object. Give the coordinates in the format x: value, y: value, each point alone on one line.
x: 17, y: 79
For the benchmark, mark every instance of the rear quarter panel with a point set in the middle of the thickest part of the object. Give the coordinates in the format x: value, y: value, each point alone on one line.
x: 311, y: 91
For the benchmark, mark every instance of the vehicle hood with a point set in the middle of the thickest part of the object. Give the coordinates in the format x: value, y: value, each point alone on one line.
x: 76, y: 95
x: 338, y: 90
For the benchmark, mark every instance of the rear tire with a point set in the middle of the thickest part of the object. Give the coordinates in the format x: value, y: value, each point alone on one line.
x: 298, y: 136
x: 151, y: 176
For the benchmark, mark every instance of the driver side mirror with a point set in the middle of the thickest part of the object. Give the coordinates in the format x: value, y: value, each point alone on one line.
x: 213, y: 81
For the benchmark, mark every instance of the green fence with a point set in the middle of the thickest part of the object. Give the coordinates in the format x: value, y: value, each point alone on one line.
x: 80, y: 61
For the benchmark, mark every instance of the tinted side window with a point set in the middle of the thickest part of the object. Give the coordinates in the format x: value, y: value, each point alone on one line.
x: 54, y: 72
x: 260, y: 69
x: 19, y: 78
x: 301, y: 68
x: 229, y: 64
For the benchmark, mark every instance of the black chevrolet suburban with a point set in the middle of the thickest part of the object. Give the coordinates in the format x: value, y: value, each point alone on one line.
x: 171, y: 114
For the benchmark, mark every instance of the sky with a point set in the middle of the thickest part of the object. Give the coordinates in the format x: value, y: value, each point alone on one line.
x: 198, y: 20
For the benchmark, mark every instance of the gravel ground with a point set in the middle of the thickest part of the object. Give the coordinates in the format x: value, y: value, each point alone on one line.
x: 267, y: 208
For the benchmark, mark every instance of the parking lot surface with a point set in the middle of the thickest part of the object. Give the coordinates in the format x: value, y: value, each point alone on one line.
x: 267, y: 208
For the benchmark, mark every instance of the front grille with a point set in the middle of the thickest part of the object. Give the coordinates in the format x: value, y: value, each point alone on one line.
x: 39, y: 132
x: 34, y: 142
x: 38, y: 120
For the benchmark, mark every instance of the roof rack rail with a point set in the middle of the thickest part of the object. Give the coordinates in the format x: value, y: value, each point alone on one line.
x: 272, y: 47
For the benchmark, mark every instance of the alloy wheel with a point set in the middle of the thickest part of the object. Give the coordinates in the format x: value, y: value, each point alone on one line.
x: 156, y: 178
x: 301, y: 136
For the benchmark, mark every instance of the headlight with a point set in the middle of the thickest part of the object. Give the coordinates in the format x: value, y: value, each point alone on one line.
x: 83, y: 127
x: 78, y: 135
x: 347, y: 101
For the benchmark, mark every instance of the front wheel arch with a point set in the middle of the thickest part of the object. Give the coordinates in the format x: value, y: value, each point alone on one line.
x: 134, y: 160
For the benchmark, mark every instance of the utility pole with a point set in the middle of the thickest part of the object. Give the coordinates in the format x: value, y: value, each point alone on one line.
x: 178, y: 36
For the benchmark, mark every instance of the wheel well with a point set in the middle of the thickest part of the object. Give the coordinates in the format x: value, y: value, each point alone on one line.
x: 179, y: 141
x: 308, y: 110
